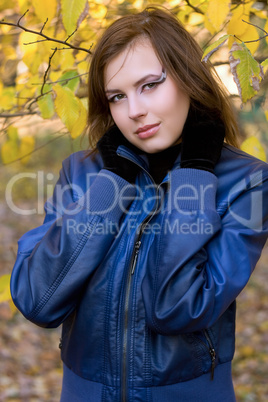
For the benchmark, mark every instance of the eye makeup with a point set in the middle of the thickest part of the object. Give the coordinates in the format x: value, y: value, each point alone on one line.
x: 117, y: 95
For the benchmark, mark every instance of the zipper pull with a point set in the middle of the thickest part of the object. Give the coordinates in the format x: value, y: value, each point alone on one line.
x: 136, y: 252
x: 213, y: 358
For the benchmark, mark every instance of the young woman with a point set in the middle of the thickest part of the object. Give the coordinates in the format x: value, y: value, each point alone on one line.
x: 150, y: 238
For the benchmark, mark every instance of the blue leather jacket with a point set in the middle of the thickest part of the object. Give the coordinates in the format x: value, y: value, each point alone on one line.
x: 144, y: 278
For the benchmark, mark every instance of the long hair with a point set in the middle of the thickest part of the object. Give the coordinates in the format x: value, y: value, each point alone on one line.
x: 178, y: 52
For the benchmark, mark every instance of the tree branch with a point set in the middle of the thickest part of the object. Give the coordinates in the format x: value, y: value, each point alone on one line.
x: 63, y: 80
x: 46, y: 72
x: 40, y: 33
x: 196, y: 9
x: 17, y: 114
x: 256, y: 26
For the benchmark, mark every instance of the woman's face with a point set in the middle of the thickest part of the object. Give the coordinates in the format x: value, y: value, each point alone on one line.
x: 146, y: 104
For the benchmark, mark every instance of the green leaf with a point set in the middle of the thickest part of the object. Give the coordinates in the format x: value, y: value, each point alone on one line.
x: 214, y: 47
x: 247, y: 72
x: 71, y: 12
x: 71, y: 82
x: 45, y: 103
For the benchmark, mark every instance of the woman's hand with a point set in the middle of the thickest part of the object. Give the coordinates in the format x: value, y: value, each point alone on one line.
x: 202, y: 140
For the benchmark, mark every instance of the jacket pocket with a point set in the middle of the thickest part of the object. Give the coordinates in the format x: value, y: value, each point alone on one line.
x: 205, y: 340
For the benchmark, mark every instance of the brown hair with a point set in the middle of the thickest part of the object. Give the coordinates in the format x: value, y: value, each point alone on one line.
x: 178, y: 52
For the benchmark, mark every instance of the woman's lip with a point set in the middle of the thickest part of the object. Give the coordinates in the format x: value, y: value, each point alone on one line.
x: 147, y: 131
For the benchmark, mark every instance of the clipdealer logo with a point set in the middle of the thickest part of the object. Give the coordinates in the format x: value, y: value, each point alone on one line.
x: 248, y: 212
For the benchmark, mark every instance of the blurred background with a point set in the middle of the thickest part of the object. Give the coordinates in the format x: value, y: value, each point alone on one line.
x: 36, y: 135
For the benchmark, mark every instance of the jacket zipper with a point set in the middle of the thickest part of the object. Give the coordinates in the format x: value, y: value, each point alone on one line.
x: 133, y: 264
x: 212, y: 353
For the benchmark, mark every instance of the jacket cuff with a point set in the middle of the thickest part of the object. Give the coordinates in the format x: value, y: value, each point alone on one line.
x: 192, y: 189
x: 108, y: 196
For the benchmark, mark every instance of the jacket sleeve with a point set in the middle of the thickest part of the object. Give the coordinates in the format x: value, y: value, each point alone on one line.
x: 203, y: 261
x: 55, y: 261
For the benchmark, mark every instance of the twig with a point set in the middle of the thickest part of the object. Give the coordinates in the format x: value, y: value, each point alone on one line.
x: 35, y: 41
x: 46, y: 72
x: 36, y: 99
x: 61, y: 48
x: 71, y: 35
x: 196, y: 9
x: 18, y: 114
x: 256, y: 26
x: 23, y: 15
x: 64, y: 80
x: 40, y: 33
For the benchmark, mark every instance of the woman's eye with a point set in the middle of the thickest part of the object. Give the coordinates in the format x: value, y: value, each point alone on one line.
x: 150, y: 85
x: 116, y: 98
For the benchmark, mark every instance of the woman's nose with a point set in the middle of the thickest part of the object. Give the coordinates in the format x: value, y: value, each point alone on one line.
x: 136, y: 108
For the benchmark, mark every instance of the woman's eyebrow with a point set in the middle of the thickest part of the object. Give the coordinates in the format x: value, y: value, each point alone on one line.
x: 140, y: 81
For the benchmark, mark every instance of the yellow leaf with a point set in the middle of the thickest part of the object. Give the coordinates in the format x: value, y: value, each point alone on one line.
x: 266, y: 114
x: 70, y: 110
x: 24, y: 39
x: 81, y: 122
x: 183, y: 14
x: 63, y: 59
x: 97, y: 11
x: 45, y: 9
x: 30, y: 51
x: 24, y: 95
x: 83, y: 67
x: 138, y: 4
x: 249, y: 35
x: 33, y: 61
x: 8, y: 98
x: 217, y: 12
x: 6, y: 4
x: 85, y: 33
x: 5, y: 288
x: 236, y: 26
x: 23, y: 5
x: 259, y: 13
x: 9, y: 152
x: 10, y: 52
x: 12, y: 133
x: 209, y: 26
x: 71, y: 12
x: 196, y: 19
x: 6, y: 29
x: 253, y: 147
x: 26, y: 148
x: 266, y: 29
